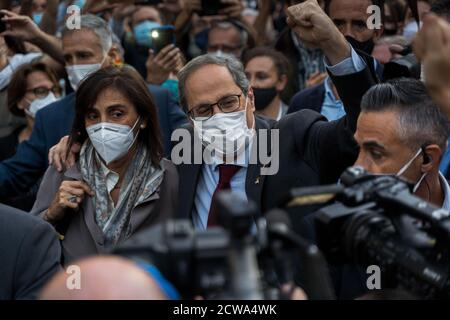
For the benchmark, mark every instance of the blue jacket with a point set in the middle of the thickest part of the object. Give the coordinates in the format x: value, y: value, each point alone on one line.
x: 19, y: 173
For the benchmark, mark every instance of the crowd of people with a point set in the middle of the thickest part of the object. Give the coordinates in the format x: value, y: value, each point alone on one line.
x: 93, y: 95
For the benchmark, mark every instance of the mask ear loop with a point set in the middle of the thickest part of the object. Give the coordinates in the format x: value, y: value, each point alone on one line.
x: 406, y: 166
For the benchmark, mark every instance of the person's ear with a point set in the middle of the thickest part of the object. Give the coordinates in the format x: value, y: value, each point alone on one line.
x: 431, y: 156
x: 378, y: 33
x: 282, y: 83
x: 251, y: 99
x: 115, y: 59
x: 22, y: 104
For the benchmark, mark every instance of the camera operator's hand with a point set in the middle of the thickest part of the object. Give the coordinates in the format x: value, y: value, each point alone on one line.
x: 234, y: 10
x: 160, y: 66
x: 432, y: 47
x: 69, y: 197
x: 58, y: 156
x: 316, y: 30
x: 22, y: 27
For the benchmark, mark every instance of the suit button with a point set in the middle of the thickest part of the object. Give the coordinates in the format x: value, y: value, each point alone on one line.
x: 100, y: 242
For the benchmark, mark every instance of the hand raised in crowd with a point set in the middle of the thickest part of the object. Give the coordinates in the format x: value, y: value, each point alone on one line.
x: 316, y: 78
x: 316, y: 30
x: 58, y: 156
x: 69, y: 197
x: 191, y: 5
x: 233, y: 10
x: 171, y: 6
x: 160, y: 66
x: 3, y: 53
x: 22, y: 27
x: 432, y: 47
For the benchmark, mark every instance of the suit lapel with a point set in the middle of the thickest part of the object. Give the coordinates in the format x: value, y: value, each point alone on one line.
x: 255, y: 181
x: 189, y: 175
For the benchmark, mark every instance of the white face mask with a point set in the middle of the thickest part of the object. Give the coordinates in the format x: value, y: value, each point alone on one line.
x: 112, y: 141
x: 225, y: 133
x: 406, y: 167
x: 38, y: 104
x: 78, y: 72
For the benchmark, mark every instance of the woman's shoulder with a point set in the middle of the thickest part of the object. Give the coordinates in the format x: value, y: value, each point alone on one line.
x: 170, y: 169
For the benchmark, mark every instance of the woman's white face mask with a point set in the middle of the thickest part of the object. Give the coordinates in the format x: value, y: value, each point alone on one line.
x: 112, y: 141
x: 40, y: 103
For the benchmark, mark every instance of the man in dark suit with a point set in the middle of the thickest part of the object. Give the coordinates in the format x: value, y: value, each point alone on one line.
x: 80, y: 47
x: 216, y: 94
x: 29, y: 254
x: 345, y: 14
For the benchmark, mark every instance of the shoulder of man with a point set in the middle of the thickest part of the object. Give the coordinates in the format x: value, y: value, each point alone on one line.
x: 310, y: 98
x: 58, y: 108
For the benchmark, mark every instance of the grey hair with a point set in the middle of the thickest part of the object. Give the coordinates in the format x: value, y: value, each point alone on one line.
x: 99, y: 26
x: 233, y: 65
x: 420, y: 121
x: 225, y: 25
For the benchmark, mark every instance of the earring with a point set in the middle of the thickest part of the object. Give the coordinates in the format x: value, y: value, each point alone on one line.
x: 142, y: 126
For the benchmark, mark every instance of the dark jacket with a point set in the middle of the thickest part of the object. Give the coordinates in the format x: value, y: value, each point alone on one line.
x: 29, y: 254
x: 82, y: 236
x: 310, y: 98
x: 313, y: 98
x: 19, y: 173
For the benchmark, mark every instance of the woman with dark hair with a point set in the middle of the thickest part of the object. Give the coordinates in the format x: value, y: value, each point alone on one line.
x: 268, y: 72
x: 12, y: 56
x: 32, y: 87
x: 120, y: 183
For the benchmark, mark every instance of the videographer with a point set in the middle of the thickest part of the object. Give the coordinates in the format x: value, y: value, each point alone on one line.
x: 401, y: 131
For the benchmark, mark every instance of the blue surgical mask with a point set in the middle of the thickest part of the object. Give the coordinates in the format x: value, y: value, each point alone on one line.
x: 142, y: 32
x: 79, y: 3
x: 37, y: 17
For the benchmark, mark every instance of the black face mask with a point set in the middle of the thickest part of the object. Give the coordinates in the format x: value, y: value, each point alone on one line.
x: 264, y: 96
x: 366, y: 46
x: 390, y: 32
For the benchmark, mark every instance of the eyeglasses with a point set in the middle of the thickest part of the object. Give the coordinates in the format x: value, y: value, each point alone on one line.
x: 42, y: 92
x: 226, y: 105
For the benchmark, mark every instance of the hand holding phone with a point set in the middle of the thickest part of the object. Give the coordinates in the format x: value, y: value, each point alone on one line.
x: 162, y: 37
x: 161, y: 65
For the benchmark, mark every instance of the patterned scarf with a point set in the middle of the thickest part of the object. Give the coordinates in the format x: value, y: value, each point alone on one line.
x: 140, y: 182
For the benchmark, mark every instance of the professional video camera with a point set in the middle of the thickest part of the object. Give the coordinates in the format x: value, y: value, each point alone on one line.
x: 376, y: 220
x: 246, y: 258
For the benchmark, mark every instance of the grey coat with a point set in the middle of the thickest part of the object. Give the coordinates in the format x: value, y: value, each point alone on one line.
x: 82, y: 235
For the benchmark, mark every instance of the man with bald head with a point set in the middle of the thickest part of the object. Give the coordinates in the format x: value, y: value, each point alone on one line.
x: 105, y: 278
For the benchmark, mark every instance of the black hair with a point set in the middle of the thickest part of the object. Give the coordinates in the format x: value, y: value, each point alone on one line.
x: 420, y: 120
x: 379, y: 3
x: 441, y: 8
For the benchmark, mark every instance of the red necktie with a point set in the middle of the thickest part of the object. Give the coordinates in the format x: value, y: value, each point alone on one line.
x: 226, y: 173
